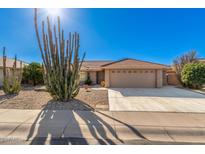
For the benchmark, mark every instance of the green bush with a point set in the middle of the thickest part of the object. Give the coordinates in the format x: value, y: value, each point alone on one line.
x: 88, y: 81
x: 33, y: 73
x: 193, y: 75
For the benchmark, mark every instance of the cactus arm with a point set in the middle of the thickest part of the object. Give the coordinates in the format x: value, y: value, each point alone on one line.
x: 4, y: 62
x: 37, y: 34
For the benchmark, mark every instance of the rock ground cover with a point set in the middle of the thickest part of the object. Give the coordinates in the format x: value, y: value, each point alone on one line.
x: 32, y: 99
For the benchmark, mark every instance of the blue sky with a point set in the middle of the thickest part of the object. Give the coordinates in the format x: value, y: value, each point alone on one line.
x: 156, y: 35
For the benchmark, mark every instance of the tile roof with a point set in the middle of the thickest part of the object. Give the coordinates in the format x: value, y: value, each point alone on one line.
x: 129, y: 63
x: 94, y: 65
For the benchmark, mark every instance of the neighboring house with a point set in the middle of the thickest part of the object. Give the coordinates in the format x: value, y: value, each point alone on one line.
x: 201, y: 60
x: 9, y: 66
x: 125, y: 73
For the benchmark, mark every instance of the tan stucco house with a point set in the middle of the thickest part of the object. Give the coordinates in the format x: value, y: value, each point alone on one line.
x: 125, y: 73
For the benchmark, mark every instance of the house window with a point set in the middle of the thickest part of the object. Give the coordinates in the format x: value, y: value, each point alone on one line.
x: 129, y: 71
x: 113, y: 71
x: 124, y: 71
x: 118, y: 71
x: 146, y: 71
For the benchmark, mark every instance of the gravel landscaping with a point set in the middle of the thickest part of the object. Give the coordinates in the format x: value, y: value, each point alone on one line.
x: 32, y: 99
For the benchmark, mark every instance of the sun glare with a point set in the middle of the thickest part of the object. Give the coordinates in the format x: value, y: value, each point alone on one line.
x: 54, y: 12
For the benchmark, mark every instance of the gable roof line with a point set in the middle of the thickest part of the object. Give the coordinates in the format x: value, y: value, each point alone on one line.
x: 135, y: 60
x: 97, y: 60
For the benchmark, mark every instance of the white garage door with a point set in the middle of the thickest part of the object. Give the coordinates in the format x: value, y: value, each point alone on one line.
x: 132, y: 78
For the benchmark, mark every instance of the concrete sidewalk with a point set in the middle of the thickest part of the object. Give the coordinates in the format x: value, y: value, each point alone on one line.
x: 52, y: 126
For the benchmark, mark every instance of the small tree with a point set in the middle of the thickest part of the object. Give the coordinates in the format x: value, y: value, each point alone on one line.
x: 182, y: 60
x: 34, y: 73
x: 11, y: 84
x: 193, y: 75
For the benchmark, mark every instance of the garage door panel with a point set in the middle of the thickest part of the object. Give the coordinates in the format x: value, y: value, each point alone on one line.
x: 132, y: 78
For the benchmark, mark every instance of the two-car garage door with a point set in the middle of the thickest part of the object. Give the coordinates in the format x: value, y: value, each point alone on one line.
x: 133, y: 78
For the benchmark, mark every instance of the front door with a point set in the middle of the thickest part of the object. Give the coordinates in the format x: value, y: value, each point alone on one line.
x: 100, y: 76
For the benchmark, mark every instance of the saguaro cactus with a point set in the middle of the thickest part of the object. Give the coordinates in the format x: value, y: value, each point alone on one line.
x: 61, y: 60
x: 11, y: 84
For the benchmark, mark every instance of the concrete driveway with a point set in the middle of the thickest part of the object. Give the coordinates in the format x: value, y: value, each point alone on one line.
x: 166, y: 99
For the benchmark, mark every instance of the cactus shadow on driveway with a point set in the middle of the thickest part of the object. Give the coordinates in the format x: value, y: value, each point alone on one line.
x: 64, y: 126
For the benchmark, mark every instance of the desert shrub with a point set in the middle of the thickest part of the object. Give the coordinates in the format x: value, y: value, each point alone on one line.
x: 33, y: 73
x: 193, y: 75
x: 11, y: 83
x: 11, y: 87
x: 88, y: 81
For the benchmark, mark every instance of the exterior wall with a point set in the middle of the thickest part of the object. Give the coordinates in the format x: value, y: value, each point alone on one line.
x: 93, y: 77
x: 141, y: 78
x: 107, y: 78
x: 159, y: 79
x: 172, y: 79
x: 83, y: 76
x: 164, y: 78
